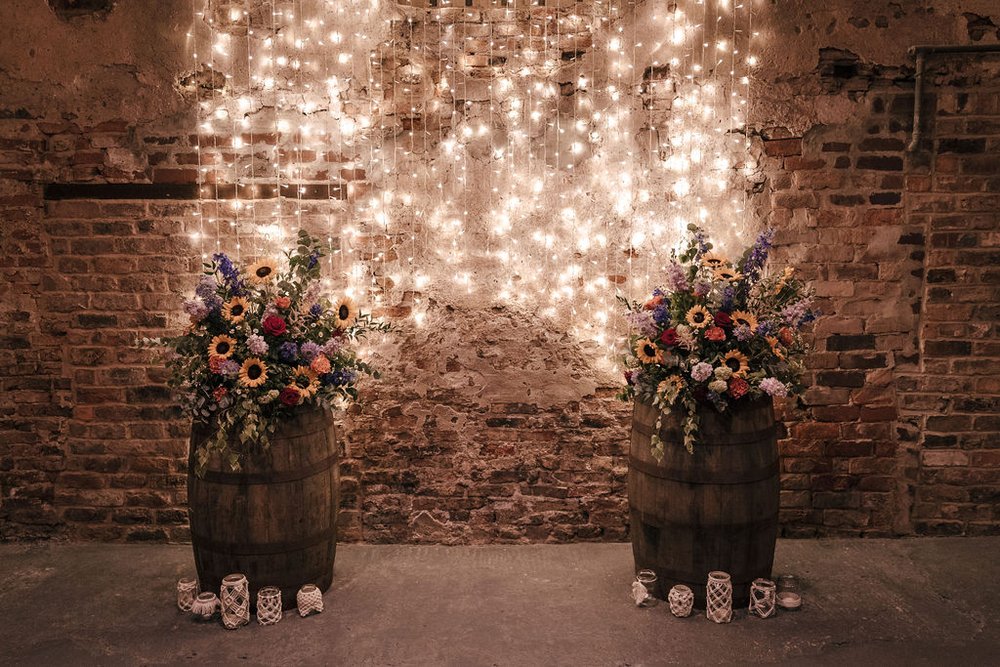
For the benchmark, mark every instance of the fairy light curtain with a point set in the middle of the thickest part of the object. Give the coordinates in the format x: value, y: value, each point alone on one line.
x: 548, y: 155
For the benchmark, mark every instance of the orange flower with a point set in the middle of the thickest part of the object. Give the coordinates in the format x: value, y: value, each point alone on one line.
x: 282, y: 302
x: 320, y: 364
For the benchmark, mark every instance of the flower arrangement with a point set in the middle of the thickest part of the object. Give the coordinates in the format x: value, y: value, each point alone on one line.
x: 262, y: 343
x: 716, y: 334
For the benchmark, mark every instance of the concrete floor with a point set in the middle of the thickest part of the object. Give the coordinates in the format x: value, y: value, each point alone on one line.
x: 885, y: 602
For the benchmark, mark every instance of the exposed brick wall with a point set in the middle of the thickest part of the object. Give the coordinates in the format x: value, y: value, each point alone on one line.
x: 490, y: 426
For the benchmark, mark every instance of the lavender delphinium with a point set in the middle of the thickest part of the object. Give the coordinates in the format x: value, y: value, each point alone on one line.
x: 728, y: 298
x: 230, y: 274
x: 206, y: 290
x: 676, y: 277
x: 757, y: 256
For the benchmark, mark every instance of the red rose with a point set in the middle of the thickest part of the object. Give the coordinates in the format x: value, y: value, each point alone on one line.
x: 723, y: 319
x: 275, y: 325
x: 738, y: 386
x: 715, y: 333
x: 669, y: 337
x: 289, y: 396
x: 785, y: 336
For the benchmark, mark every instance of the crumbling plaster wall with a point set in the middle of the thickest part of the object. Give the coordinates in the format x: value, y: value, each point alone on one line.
x: 490, y: 425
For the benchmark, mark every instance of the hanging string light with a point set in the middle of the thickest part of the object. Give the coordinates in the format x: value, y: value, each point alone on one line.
x: 548, y: 157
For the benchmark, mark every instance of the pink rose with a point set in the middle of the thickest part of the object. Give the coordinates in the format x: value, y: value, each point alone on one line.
x: 715, y: 333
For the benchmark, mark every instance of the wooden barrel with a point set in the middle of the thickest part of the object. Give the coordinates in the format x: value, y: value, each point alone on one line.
x: 274, y: 521
x: 715, y: 509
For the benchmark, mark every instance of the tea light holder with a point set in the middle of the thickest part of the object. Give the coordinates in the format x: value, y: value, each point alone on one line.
x: 788, y: 597
x: 762, y: 598
x: 309, y: 600
x: 187, y: 590
x: 205, y: 606
x: 269, y: 605
x: 643, y: 587
x: 681, y: 600
x: 719, y: 597
x: 235, y: 599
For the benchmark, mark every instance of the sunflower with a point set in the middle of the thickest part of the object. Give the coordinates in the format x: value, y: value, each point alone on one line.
x: 743, y: 317
x: 262, y: 272
x: 728, y: 275
x: 253, y: 373
x: 221, y: 346
x: 775, y: 347
x: 713, y: 261
x: 345, y: 313
x: 673, y: 383
x: 305, y: 380
x: 737, y: 362
x: 699, y: 317
x: 647, y: 351
x: 236, y: 309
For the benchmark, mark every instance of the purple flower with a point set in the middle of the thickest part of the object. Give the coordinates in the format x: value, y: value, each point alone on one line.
x: 313, y: 259
x: 701, y: 371
x: 795, y: 314
x: 765, y: 328
x: 288, y: 351
x: 228, y: 271
x: 702, y: 288
x: 257, y: 344
x: 728, y: 296
x: 642, y: 321
x: 676, y: 278
x: 230, y: 368
x: 742, y: 333
x: 758, y: 256
x: 309, y: 350
x: 661, y: 315
x: 331, y: 347
x: 773, y: 387
x: 702, y: 241
x: 197, y: 309
x: 207, y: 291
x: 315, y: 310
x: 338, y: 378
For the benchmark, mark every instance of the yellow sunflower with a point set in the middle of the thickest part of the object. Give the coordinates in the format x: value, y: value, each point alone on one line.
x: 743, y: 317
x: 698, y: 317
x: 305, y: 380
x: 262, y: 272
x: 345, y: 312
x: 253, y: 373
x: 221, y: 346
x: 714, y: 261
x: 235, y: 309
x: 737, y: 362
x: 775, y: 347
x: 727, y: 274
x: 674, y: 384
x: 647, y: 352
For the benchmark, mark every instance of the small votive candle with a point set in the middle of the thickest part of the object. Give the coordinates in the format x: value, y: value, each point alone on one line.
x: 187, y: 589
x: 309, y: 600
x: 762, y: 599
x: 205, y: 606
x: 644, y: 588
x: 788, y: 597
x: 681, y: 600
